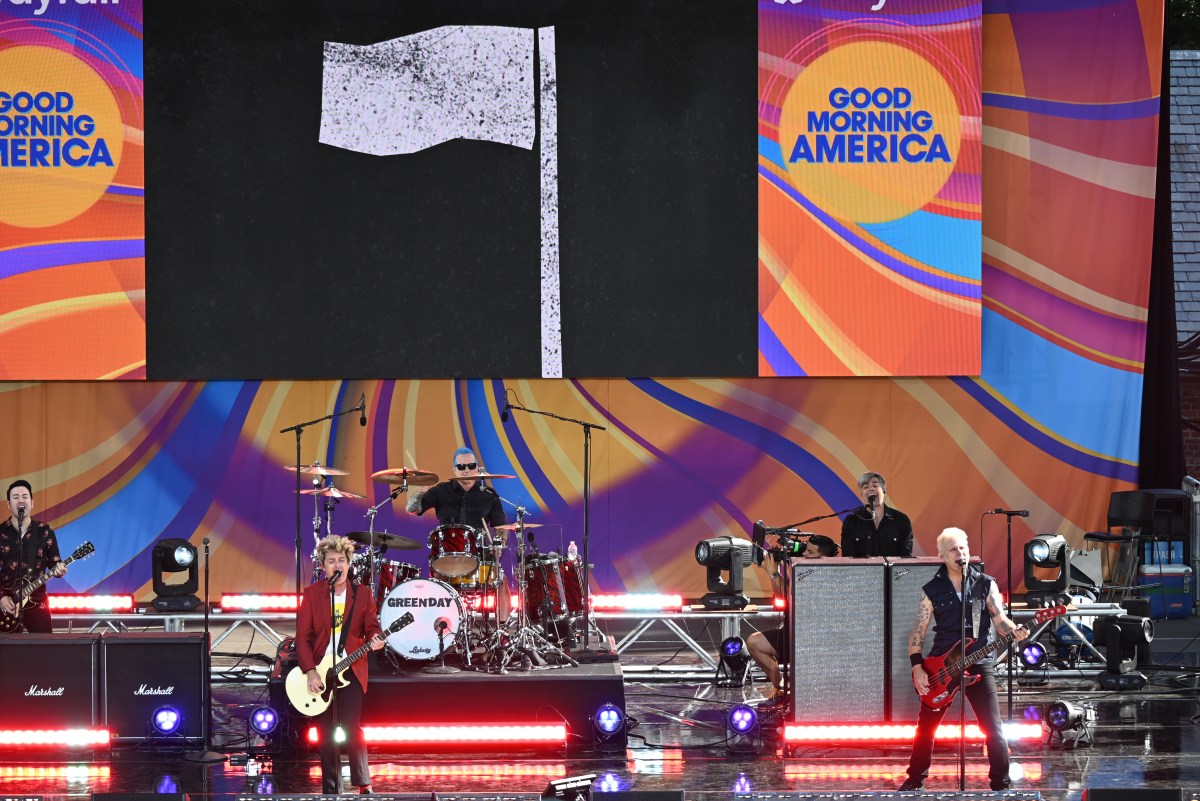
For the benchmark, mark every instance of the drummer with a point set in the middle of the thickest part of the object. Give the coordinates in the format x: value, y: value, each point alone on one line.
x: 463, y: 501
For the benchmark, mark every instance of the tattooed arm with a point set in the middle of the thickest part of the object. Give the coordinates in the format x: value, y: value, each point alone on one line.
x: 1002, y: 623
x: 916, y: 640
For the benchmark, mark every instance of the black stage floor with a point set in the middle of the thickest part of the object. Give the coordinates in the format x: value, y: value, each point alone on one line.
x: 1143, y: 739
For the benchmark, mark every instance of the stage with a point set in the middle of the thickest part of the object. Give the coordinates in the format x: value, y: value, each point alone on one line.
x: 677, y: 741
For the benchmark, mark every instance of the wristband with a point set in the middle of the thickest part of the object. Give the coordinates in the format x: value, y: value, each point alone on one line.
x: 915, y: 659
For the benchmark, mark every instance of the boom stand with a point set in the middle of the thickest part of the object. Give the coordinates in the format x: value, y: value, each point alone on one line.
x: 585, y: 653
x: 207, y: 754
x: 299, y: 429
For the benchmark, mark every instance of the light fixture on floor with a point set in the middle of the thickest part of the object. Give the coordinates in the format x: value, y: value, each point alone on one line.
x: 174, y: 555
x: 166, y: 720
x: 742, y: 735
x: 1070, y: 722
x: 719, y: 554
x: 733, y: 669
x: 570, y: 788
x: 263, y: 720
x: 608, y: 728
x: 1121, y: 635
x: 1034, y: 664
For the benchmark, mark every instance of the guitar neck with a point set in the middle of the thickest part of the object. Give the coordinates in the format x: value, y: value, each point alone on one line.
x: 33, y: 585
x: 351, y: 658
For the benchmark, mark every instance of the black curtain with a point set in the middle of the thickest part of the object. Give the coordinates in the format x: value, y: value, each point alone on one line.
x: 1161, y: 445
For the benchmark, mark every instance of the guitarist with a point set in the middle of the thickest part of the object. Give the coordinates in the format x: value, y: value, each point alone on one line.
x: 941, y: 603
x: 28, y: 548
x: 356, y: 621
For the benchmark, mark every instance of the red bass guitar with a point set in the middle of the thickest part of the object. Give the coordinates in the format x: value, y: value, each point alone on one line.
x: 945, y: 671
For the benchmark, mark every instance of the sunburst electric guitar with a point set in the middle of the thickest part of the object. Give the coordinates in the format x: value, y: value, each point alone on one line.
x: 23, y: 588
x: 312, y: 704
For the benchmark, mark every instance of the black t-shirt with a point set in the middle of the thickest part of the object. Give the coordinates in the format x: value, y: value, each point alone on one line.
x: 453, y: 504
x: 894, y: 537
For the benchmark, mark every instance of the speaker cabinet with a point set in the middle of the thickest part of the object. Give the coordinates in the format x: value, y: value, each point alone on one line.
x: 838, y: 670
x: 906, y: 577
x: 47, y: 681
x: 145, y: 671
x: 1131, y: 794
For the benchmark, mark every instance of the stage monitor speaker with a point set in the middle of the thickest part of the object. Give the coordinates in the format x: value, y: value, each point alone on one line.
x: 48, y: 681
x: 640, y: 795
x: 837, y: 656
x: 144, y: 671
x: 891, y: 795
x: 906, y: 577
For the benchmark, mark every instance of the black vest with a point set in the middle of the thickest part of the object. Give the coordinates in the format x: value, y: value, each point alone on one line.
x: 947, y: 611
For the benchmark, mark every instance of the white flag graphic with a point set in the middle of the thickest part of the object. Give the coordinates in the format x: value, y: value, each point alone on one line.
x: 460, y: 82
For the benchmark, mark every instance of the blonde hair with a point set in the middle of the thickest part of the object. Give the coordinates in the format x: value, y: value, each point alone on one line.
x: 333, y: 543
x: 947, y: 535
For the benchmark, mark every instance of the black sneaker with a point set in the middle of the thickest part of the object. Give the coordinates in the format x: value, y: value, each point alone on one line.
x: 911, y: 785
x: 775, y: 700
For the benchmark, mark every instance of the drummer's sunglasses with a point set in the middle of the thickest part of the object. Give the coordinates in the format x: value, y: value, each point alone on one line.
x: 470, y: 466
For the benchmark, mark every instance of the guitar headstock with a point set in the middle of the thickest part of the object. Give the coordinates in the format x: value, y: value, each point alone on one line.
x: 400, y: 623
x: 83, y: 551
x: 1049, y: 613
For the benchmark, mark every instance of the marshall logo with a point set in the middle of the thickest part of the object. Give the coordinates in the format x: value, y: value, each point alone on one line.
x: 801, y: 574
x: 899, y: 574
x: 144, y: 690
x: 36, y: 691
x: 422, y: 602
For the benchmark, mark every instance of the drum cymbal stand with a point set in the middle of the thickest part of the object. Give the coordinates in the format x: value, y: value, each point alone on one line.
x: 371, y: 550
x: 527, y: 643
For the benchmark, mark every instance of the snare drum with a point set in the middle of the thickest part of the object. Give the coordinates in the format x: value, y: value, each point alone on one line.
x: 554, y: 588
x: 431, y: 602
x: 455, y: 550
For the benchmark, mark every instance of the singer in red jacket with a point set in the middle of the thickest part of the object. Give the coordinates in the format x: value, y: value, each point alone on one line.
x: 318, y: 635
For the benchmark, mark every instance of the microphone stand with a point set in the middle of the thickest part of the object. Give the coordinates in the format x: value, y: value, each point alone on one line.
x: 299, y: 429
x: 1012, y: 646
x: 331, y: 678
x: 813, y: 520
x: 584, y: 654
x: 207, y: 754
x: 962, y: 679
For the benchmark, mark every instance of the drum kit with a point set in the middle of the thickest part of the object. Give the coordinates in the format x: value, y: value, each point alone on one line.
x: 461, y: 606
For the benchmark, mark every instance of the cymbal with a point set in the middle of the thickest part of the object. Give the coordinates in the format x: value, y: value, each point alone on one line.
x: 315, y: 469
x: 382, y: 538
x: 479, y: 476
x: 332, y: 492
x: 397, y: 475
x: 516, y: 527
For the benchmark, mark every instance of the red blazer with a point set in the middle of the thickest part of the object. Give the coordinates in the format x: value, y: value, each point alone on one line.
x: 313, y: 626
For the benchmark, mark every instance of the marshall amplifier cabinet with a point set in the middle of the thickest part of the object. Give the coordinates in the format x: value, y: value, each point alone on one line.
x: 48, y: 681
x: 142, y: 672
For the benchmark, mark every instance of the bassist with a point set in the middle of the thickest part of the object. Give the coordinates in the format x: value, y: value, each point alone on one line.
x: 356, y: 621
x: 28, y: 548
x: 941, y: 604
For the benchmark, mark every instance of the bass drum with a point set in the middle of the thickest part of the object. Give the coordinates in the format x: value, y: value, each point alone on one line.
x: 432, y: 603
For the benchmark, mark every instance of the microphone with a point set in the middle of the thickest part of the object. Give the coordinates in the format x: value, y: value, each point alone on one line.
x: 362, y: 408
x: 1009, y: 512
x: 20, y: 512
x: 441, y: 624
x: 337, y: 574
x: 960, y: 562
x: 504, y: 414
x: 872, y: 499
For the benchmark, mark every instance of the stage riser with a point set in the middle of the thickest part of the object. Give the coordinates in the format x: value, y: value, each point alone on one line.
x: 570, y: 695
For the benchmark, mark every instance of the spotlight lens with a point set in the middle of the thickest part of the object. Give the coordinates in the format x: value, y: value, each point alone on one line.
x: 184, y: 555
x: 1060, y: 715
x: 609, y: 719
x: 742, y: 718
x: 732, y: 646
x: 1039, y: 550
x: 702, y: 552
x: 1033, y: 655
x: 166, y: 719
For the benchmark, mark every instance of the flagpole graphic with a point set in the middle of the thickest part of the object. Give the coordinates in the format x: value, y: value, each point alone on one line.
x: 456, y: 82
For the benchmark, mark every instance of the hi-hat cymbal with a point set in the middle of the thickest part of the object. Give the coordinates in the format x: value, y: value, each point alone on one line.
x: 398, y: 475
x: 315, y: 469
x: 333, y: 492
x: 479, y: 476
x: 518, y: 526
x: 383, y: 539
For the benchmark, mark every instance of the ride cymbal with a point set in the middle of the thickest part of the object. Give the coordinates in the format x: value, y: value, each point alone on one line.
x: 517, y: 526
x: 398, y: 475
x: 383, y: 539
x: 479, y: 476
x: 315, y: 469
x: 332, y: 492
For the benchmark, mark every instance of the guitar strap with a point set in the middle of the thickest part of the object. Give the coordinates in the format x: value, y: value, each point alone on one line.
x: 352, y: 592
